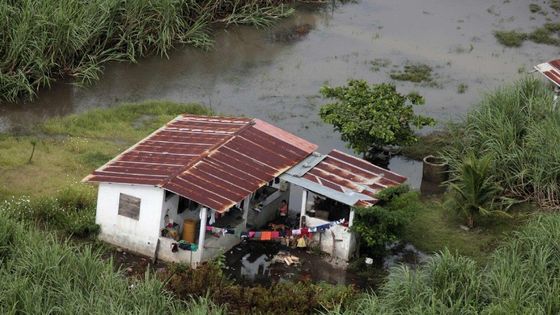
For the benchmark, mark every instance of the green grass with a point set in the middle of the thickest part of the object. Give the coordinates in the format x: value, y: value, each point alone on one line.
x: 40, y: 275
x: 430, y: 144
x: 462, y: 88
x: 521, y: 277
x: 545, y: 35
x: 510, y: 38
x: 435, y: 227
x: 414, y: 72
x: 70, y: 147
x: 535, y: 8
x: 43, y: 41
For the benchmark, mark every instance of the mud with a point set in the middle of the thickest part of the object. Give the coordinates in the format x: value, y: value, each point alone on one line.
x: 275, y: 74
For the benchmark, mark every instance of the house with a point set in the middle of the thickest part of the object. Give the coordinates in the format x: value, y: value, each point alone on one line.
x: 207, y: 179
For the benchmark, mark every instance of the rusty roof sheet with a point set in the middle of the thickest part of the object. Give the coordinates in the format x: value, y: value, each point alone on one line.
x: 551, y: 70
x: 215, y: 161
x: 343, y: 177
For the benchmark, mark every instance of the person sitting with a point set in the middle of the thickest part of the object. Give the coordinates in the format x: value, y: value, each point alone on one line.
x: 283, y: 210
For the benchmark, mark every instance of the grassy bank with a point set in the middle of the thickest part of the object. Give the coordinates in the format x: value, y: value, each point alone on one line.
x: 71, y: 147
x: 48, y: 40
x: 435, y: 228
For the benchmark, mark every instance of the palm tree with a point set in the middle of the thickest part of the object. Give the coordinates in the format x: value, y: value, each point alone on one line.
x: 476, y: 192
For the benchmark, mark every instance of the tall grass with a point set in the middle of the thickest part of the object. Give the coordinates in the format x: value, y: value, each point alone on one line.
x: 45, y: 40
x: 522, y: 277
x: 39, y: 275
x: 517, y: 127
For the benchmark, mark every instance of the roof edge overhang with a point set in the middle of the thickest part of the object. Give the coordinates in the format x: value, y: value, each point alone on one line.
x: 350, y: 198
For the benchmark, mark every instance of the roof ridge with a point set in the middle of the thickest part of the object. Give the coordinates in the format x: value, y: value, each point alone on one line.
x: 206, y: 153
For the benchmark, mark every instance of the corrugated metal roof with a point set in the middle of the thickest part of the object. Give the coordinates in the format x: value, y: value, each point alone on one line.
x: 344, y: 178
x: 551, y: 70
x: 215, y: 161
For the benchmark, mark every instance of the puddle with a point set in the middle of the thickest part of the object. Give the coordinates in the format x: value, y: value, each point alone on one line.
x: 253, y: 263
x: 401, y: 253
x: 275, y: 74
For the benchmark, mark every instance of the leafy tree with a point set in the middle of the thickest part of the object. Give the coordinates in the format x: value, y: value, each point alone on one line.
x: 383, y: 223
x: 476, y: 191
x: 370, y: 117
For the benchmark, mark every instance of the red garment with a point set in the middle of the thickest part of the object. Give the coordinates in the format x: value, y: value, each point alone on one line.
x: 305, y: 232
x: 266, y: 236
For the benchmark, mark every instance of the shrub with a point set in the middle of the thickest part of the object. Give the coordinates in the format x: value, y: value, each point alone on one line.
x: 383, y: 223
x: 510, y: 38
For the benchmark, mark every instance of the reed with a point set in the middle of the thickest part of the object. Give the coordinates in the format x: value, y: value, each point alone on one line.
x: 47, y: 40
x: 519, y: 129
x: 520, y: 278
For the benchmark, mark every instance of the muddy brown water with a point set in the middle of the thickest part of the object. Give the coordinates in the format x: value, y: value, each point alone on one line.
x: 275, y: 74
x: 252, y: 262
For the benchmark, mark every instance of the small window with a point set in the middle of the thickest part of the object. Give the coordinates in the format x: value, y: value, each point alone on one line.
x: 129, y: 206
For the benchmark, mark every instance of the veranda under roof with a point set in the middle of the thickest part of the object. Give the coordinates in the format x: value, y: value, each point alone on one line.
x: 342, y: 177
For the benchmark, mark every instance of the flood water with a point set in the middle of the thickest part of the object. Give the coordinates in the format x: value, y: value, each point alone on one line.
x: 252, y: 262
x: 275, y: 74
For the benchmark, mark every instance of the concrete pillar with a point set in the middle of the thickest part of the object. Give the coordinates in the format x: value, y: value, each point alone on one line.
x: 246, y: 207
x: 351, y: 217
x: 202, y: 233
x: 303, y: 205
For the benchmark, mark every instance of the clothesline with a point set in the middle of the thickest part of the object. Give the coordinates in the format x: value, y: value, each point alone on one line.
x: 272, y: 235
x: 306, y: 231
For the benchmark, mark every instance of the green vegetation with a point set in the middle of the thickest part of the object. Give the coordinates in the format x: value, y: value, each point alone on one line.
x: 549, y: 34
x: 453, y: 284
x: 475, y: 190
x: 69, y: 148
x: 555, y: 5
x: 433, y: 143
x: 462, y: 88
x: 546, y: 35
x: 370, y: 117
x: 436, y: 227
x: 535, y: 8
x: 510, y: 38
x: 282, y: 298
x: 46, y: 40
x: 378, y: 63
x: 40, y: 275
x: 519, y: 129
x: 383, y: 223
x: 415, y: 72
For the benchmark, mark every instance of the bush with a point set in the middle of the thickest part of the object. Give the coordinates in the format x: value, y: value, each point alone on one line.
x: 72, y: 211
x: 383, y: 223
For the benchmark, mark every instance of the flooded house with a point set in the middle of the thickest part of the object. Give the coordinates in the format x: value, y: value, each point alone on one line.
x: 199, y: 185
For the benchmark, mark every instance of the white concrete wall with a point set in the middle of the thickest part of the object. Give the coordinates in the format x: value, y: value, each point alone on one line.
x: 342, y: 246
x: 170, y: 208
x: 182, y: 256
x: 294, y: 203
x: 140, y: 235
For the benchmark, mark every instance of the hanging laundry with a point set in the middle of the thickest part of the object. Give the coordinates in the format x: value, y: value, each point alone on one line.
x: 266, y: 236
